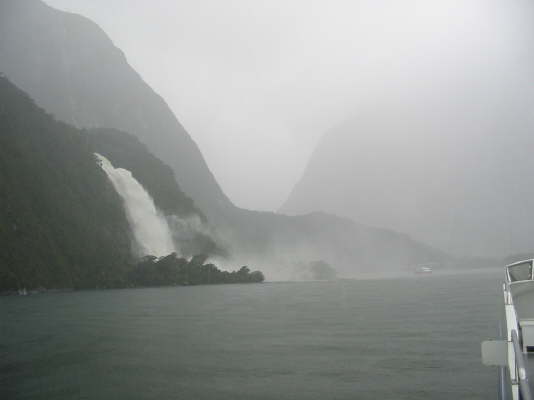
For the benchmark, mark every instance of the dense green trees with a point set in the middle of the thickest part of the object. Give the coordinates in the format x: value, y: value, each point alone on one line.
x: 61, y: 222
x: 174, y: 270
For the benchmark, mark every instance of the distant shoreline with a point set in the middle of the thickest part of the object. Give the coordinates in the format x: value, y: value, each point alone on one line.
x: 33, y: 292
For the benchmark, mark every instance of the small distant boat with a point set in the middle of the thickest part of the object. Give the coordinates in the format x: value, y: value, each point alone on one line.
x: 423, y: 270
x: 23, y: 292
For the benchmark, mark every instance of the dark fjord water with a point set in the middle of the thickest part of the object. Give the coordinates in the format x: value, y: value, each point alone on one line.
x: 411, y: 338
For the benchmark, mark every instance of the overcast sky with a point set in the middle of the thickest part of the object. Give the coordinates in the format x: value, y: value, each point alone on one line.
x: 257, y: 82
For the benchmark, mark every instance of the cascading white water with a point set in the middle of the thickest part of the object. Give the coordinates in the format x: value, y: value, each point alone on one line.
x: 149, y: 227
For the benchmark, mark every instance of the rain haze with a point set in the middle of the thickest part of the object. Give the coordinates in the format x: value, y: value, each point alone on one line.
x: 257, y: 83
x: 266, y: 200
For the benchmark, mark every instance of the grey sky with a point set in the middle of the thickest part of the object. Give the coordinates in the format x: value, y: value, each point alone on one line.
x: 256, y: 83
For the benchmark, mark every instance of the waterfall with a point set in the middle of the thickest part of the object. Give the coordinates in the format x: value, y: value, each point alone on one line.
x: 149, y: 227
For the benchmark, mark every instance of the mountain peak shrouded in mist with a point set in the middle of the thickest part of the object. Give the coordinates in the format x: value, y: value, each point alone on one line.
x: 439, y: 148
x: 72, y: 69
x: 458, y: 178
x: 257, y: 83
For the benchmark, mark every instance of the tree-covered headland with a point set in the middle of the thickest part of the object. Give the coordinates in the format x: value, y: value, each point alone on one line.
x: 174, y: 270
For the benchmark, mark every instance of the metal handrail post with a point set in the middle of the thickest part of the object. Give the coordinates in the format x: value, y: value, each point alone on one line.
x: 522, y: 376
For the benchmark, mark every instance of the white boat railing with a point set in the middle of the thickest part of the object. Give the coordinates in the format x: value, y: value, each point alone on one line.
x: 509, y: 353
x: 521, y: 370
x: 516, y: 362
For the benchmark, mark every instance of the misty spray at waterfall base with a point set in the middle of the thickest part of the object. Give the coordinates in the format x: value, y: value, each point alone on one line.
x: 150, y: 228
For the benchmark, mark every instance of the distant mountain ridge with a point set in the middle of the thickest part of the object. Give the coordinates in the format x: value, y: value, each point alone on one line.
x: 462, y: 182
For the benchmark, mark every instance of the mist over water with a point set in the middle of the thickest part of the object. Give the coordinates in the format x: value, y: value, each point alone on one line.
x: 149, y: 227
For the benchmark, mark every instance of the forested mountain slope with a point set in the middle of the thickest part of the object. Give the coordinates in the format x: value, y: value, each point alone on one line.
x: 69, y: 66
x: 61, y: 222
